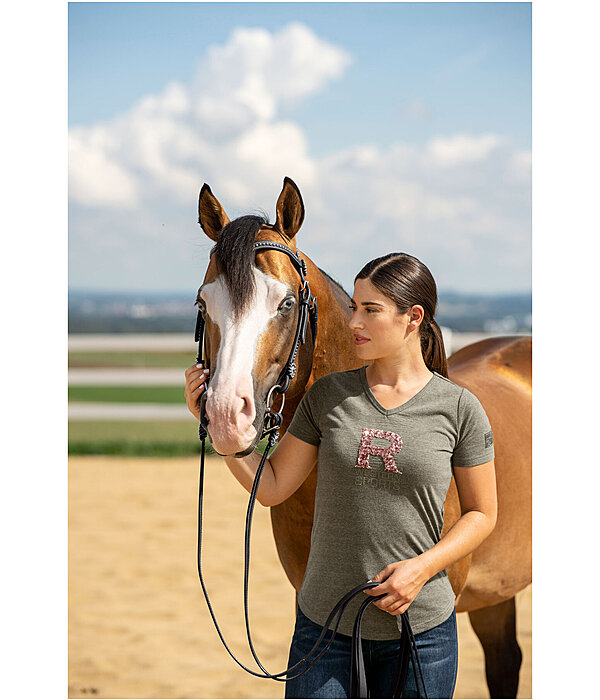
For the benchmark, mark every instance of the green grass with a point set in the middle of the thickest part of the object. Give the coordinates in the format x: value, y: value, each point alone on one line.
x: 178, y: 360
x: 139, y: 439
x: 130, y: 448
x: 128, y: 394
x: 133, y: 438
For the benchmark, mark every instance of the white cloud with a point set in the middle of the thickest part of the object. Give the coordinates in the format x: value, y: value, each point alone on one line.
x: 302, y: 64
x: 519, y: 166
x: 96, y: 175
x: 438, y: 200
x: 462, y: 148
x: 255, y: 71
x: 224, y: 125
x: 248, y: 79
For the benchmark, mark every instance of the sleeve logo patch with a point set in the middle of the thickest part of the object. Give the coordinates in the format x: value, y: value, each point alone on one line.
x: 489, y: 439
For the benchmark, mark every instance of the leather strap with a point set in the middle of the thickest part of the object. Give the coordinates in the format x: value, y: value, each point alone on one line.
x: 408, y: 652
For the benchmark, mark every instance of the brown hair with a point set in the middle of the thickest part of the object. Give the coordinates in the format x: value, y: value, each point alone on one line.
x: 407, y: 281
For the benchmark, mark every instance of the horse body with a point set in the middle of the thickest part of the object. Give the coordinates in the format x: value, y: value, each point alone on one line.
x: 497, y: 371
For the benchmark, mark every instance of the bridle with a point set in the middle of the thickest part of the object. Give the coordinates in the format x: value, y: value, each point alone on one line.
x: 271, y: 424
x: 307, y: 311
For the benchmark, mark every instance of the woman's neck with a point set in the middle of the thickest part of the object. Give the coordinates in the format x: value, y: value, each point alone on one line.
x: 401, y: 373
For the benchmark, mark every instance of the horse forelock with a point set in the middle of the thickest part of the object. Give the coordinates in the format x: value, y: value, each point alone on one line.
x: 234, y: 254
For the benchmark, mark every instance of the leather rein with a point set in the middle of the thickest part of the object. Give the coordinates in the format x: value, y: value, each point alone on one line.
x: 271, y: 424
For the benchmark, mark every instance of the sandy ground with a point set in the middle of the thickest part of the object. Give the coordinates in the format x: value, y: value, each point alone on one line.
x: 138, y: 623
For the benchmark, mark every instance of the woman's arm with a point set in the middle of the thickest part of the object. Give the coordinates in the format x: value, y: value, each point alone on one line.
x: 479, y: 508
x: 290, y: 463
x: 404, y: 579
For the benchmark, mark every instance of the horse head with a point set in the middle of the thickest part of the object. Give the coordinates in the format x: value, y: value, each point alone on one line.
x: 250, y: 303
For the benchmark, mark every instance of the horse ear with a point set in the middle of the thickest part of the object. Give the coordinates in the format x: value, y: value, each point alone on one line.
x: 289, y: 209
x: 211, y: 215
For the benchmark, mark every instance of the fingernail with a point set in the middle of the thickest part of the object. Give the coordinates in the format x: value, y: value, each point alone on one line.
x: 199, y: 365
x: 206, y: 371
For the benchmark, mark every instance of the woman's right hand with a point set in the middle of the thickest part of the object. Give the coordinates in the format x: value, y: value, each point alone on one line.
x: 195, y: 376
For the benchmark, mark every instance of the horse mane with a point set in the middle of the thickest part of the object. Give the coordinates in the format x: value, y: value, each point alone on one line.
x: 234, y: 254
x: 335, y: 282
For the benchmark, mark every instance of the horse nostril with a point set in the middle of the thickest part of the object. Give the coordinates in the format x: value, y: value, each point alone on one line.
x: 246, y: 405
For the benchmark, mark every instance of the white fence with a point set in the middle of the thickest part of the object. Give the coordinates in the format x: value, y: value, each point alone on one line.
x: 453, y: 341
x: 158, y: 376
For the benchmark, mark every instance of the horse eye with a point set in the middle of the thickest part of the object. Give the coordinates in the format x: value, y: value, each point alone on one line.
x: 201, y: 305
x: 287, y: 304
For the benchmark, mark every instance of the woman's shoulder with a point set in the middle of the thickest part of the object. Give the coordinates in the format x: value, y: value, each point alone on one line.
x: 333, y: 380
x: 464, y: 399
x: 447, y: 387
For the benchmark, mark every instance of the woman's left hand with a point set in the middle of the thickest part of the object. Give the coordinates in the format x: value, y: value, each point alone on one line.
x: 402, y: 581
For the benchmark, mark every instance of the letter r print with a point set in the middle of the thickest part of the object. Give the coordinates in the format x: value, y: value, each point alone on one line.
x: 366, y: 449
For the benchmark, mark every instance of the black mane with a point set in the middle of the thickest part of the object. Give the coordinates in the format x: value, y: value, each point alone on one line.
x: 234, y: 253
x: 335, y: 282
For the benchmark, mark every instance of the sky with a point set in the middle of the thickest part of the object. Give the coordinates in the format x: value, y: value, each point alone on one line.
x: 406, y: 126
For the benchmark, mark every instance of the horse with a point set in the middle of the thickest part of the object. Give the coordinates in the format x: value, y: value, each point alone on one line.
x: 250, y: 304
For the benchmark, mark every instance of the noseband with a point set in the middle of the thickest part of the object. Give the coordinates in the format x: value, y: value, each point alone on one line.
x: 271, y: 424
x: 307, y: 312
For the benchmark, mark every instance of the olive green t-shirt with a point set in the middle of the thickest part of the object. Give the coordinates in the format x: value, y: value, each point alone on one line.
x: 383, y: 475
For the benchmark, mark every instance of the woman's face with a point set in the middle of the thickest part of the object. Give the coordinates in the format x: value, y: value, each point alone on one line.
x: 379, y: 329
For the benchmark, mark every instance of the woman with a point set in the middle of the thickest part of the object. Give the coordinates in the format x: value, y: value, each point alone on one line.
x: 387, y: 437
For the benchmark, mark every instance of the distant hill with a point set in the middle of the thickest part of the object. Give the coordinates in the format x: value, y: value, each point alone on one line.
x: 144, y: 312
x: 122, y: 312
x: 502, y: 313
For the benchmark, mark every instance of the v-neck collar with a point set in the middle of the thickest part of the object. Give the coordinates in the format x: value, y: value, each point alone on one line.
x: 362, y: 373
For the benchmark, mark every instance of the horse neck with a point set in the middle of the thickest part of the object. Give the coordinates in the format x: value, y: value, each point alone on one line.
x: 334, y: 348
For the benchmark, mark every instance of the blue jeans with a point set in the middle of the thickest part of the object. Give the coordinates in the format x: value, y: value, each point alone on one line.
x: 330, y: 676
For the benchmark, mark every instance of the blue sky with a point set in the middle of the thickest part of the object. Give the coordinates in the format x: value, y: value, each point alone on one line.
x: 470, y: 62
x: 423, y: 105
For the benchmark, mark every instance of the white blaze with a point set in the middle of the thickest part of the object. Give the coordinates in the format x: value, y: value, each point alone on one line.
x: 235, y: 358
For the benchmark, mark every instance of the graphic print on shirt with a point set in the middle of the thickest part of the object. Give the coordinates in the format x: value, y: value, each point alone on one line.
x: 387, y: 453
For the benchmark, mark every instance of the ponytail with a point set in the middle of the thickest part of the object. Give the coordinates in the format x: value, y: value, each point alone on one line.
x: 432, y: 347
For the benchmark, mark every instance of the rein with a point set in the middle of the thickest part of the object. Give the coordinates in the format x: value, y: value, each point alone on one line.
x: 271, y: 424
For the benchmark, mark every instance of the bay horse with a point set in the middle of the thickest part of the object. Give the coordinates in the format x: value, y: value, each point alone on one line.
x: 250, y: 306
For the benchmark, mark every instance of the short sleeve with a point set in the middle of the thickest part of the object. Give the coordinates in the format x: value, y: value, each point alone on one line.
x: 475, y: 443
x: 305, y: 423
